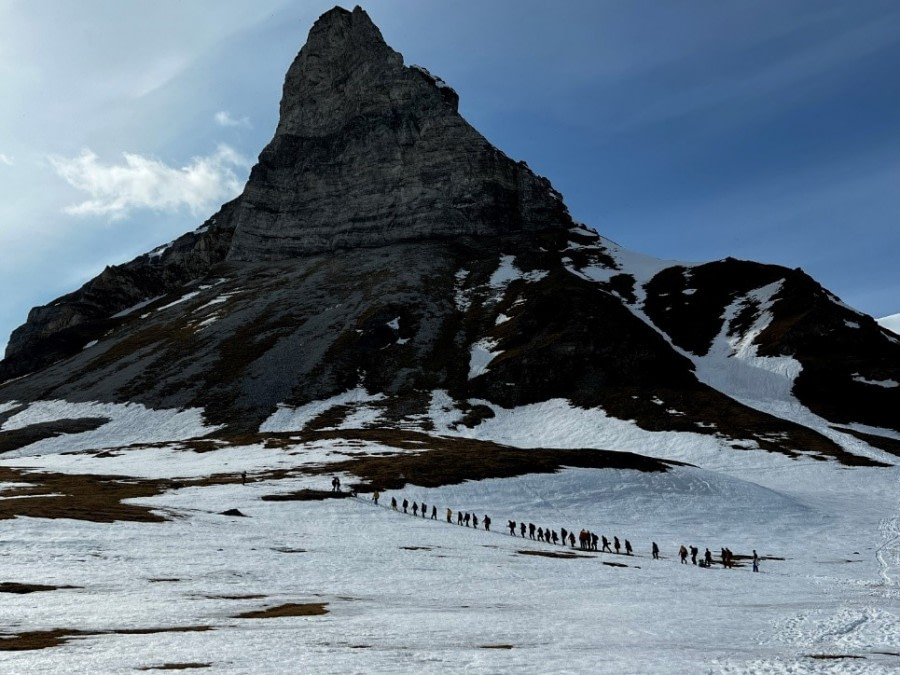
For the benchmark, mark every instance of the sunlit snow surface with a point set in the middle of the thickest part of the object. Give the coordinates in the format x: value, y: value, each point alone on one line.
x: 413, y: 595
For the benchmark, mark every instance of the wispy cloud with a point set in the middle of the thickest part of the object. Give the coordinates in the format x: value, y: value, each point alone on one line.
x: 144, y: 183
x: 6, y: 159
x: 224, y: 119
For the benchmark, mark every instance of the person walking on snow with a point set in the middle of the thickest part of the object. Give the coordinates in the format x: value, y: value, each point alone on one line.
x: 434, y: 513
x: 466, y: 519
x: 394, y: 503
x: 459, y: 517
x: 606, y: 544
x: 531, y: 529
x: 522, y: 530
x: 487, y: 522
x: 512, y: 528
x: 628, y: 548
x: 474, y: 521
x: 682, y: 553
x: 405, y: 504
x: 335, y: 484
x: 707, y: 557
x: 564, y: 535
x: 415, y: 509
x: 616, y: 544
x: 694, y: 552
x: 572, y: 539
x: 450, y: 516
x: 424, y: 509
x: 655, y: 550
x: 755, y: 561
x: 375, y: 496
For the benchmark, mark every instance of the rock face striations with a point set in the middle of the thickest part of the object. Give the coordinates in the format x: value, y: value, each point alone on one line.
x: 383, y: 251
x: 369, y: 152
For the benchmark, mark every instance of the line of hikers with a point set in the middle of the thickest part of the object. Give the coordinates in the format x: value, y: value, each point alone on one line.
x: 587, y: 540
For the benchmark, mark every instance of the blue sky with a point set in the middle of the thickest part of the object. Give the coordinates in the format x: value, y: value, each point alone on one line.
x: 696, y: 130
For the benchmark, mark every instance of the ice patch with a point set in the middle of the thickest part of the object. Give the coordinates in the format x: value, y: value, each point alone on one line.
x: 887, y: 384
x: 183, y: 298
x: 481, y: 356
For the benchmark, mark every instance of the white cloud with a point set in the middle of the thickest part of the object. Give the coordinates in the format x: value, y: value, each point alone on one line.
x: 144, y: 183
x: 6, y: 159
x: 224, y: 119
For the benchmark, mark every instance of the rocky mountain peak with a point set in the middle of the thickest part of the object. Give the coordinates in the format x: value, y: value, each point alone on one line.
x: 370, y: 152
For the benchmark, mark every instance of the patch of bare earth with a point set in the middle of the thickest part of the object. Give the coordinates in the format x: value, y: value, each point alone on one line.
x: 44, y: 639
x: 78, y: 496
x: 289, y: 609
x: 21, y: 589
x: 177, y: 666
x: 568, y: 555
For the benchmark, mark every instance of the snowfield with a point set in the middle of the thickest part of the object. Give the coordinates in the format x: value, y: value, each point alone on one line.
x: 406, y: 594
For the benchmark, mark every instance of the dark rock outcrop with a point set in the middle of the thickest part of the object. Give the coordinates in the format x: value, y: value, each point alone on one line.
x: 368, y: 152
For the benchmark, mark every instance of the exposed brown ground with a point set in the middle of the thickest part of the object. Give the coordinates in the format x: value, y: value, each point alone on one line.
x: 53, y: 638
x: 289, y: 609
x: 21, y: 589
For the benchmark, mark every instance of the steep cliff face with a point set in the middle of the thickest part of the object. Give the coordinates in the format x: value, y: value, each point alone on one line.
x: 383, y: 246
x: 368, y: 152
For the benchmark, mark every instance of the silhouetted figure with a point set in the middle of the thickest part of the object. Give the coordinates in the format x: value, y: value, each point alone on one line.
x: 512, y: 528
x: 243, y: 477
x: 682, y: 553
x: 540, y: 534
x: 450, y: 516
x: 755, y: 561
x: 707, y: 557
x: 405, y: 504
x: 415, y: 509
x: 376, y: 496
x: 335, y: 484
x: 628, y: 548
x: 474, y: 521
x: 434, y: 513
x: 459, y: 517
x: 655, y: 550
x: 562, y: 531
x: 531, y: 529
x: 694, y: 552
x: 487, y: 522
x: 606, y: 544
x: 424, y: 510
x: 394, y: 503
x: 522, y: 529
x: 553, y: 535
x: 616, y: 544
x: 467, y: 519
x: 572, y: 539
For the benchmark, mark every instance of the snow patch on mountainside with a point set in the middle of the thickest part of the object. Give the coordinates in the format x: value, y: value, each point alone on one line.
x: 128, y: 423
x: 892, y: 323
x: 287, y: 418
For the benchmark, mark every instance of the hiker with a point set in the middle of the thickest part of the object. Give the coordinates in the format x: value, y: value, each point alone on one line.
x: 243, y: 477
x: 531, y: 529
x: 375, y: 496
x: 655, y: 550
x: 450, y: 516
x: 564, y: 534
x: 424, y: 509
x: 522, y: 530
x: 724, y: 557
x: 694, y: 552
x: 755, y: 561
x: 459, y: 517
x: 707, y: 557
x: 466, y: 519
x: 540, y: 534
x: 434, y: 513
x: 335, y: 484
x: 555, y: 538
x: 415, y: 509
x: 487, y: 522
x: 512, y: 528
x: 616, y: 544
x: 606, y: 544
x: 682, y: 553
x: 474, y: 521
x: 572, y: 539
x: 628, y: 548
x: 405, y: 504
x: 394, y: 503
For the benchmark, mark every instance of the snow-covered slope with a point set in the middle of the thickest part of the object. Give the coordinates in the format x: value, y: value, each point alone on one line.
x: 892, y: 323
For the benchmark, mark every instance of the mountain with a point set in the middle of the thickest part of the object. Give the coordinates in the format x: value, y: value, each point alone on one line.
x: 386, y: 267
x: 892, y: 323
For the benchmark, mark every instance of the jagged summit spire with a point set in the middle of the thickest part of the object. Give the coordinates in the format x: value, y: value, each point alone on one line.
x: 368, y: 152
